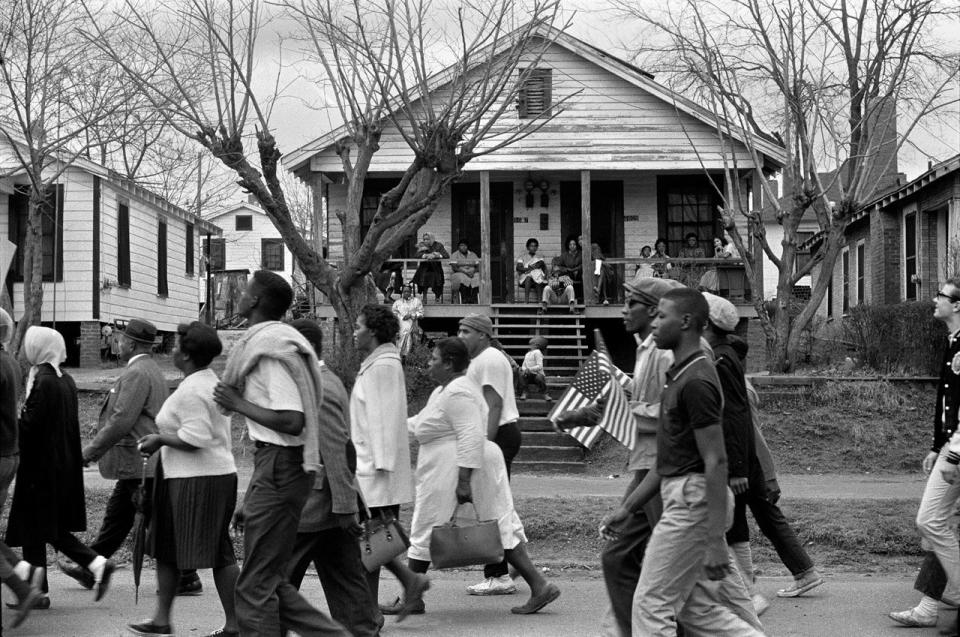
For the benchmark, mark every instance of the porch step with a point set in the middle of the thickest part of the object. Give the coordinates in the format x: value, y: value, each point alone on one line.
x: 548, y: 439
x: 548, y: 466
x: 540, y: 453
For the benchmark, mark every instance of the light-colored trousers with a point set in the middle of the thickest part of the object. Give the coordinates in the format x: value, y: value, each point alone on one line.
x: 673, y: 585
x: 550, y: 297
x: 936, y: 507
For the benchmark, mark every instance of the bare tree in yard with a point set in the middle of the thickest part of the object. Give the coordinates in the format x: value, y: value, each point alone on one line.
x: 45, y: 69
x: 826, y: 74
x: 377, y: 60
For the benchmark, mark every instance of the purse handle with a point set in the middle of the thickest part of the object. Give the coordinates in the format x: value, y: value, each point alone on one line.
x: 457, y: 508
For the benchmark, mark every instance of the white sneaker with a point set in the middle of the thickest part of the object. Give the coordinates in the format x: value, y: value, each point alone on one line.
x: 494, y: 586
x: 913, y: 618
x: 760, y: 603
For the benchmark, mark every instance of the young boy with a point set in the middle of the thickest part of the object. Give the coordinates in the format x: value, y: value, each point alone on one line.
x: 531, y: 372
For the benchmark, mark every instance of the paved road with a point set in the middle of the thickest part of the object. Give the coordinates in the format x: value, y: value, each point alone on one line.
x: 846, y: 605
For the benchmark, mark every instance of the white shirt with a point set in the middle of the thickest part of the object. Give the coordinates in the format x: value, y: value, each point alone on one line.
x: 270, y: 386
x: 491, y: 369
x: 533, y: 362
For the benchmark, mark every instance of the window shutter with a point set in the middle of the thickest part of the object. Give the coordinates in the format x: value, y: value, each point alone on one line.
x: 547, y: 90
x: 522, y: 97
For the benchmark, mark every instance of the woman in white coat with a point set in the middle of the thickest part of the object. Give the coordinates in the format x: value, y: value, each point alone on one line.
x: 378, y: 428
x: 457, y: 464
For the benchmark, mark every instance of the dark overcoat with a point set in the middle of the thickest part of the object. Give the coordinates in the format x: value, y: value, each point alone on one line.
x: 48, y: 499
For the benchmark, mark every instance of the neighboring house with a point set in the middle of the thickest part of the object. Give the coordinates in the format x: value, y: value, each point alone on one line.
x: 112, y: 250
x: 900, y: 245
x: 639, y: 149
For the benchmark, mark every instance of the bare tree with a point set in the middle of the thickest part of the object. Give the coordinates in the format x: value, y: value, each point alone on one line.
x: 377, y: 57
x: 834, y: 78
x: 46, y: 69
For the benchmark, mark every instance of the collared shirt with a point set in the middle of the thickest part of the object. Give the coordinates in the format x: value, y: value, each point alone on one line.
x: 691, y: 399
x: 270, y: 385
x: 133, y: 358
x: 649, y: 376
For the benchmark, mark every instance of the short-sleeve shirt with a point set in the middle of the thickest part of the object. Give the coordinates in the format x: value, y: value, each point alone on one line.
x: 533, y: 361
x: 271, y: 386
x: 691, y: 400
x: 491, y: 368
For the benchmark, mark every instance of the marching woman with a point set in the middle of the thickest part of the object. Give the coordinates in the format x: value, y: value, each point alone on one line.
x: 456, y: 464
x: 195, y: 490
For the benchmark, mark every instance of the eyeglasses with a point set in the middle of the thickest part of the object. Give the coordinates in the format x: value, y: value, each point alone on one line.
x: 950, y: 298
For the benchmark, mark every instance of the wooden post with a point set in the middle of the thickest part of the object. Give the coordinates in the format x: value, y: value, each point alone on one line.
x: 486, y: 283
x: 585, y: 232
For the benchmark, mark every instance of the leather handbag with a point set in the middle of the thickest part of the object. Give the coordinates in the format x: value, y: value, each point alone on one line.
x: 382, y: 540
x: 453, y: 545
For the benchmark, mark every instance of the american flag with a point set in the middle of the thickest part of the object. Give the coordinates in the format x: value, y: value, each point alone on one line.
x: 591, y: 383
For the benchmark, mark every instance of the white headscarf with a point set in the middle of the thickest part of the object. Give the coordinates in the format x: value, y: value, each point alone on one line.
x: 42, y: 345
x: 6, y: 328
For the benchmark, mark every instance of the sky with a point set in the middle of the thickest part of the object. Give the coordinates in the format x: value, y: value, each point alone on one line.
x: 305, y: 111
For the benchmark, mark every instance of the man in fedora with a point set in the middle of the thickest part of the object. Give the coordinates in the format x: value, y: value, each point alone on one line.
x: 126, y: 416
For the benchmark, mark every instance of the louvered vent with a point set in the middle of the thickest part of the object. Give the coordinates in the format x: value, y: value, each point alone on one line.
x: 534, y: 96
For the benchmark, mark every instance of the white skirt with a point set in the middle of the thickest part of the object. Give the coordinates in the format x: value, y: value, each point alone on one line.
x: 436, y: 500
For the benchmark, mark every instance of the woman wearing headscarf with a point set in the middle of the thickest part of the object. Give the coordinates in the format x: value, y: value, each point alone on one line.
x: 48, y: 501
x: 429, y: 274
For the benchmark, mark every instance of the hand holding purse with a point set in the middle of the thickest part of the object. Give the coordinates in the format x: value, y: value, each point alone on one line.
x: 453, y: 545
x: 382, y: 540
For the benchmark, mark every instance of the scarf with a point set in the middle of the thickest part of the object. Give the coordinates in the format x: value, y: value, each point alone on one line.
x: 42, y: 345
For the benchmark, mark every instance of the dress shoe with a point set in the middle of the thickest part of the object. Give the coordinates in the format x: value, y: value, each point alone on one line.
x: 537, y: 602
x: 149, y: 629
x: 77, y: 572
x: 190, y: 586
x: 397, y: 606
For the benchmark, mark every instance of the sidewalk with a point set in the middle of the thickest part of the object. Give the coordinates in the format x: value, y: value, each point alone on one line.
x: 844, y: 606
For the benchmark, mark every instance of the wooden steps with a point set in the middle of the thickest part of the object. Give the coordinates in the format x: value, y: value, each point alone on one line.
x: 542, y: 448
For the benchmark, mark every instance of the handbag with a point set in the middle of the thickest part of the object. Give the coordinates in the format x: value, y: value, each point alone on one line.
x: 382, y: 539
x: 453, y: 545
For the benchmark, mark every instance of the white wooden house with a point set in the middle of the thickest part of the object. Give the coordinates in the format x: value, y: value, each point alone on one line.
x: 625, y: 162
x: 112, y: 250
x: 249, y: 241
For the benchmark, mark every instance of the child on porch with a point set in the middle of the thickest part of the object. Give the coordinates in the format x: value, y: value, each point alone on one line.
x: 532, y: 370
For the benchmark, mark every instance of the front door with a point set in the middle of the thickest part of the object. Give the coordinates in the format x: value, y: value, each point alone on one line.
x: 606, y: 215
x: 465, y: 224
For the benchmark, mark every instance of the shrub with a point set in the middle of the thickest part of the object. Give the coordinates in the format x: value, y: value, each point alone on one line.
x: 897, y: 338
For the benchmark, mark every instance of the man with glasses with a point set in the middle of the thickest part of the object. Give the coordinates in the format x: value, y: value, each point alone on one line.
x: 942, y: 491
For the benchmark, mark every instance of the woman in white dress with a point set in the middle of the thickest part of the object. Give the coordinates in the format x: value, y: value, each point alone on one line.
x: 457, y: 464
x: 409, y: 310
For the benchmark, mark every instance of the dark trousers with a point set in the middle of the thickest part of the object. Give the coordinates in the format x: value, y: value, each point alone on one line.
x: 508, y: 439
x: 531, y: 379
x: 772, y: 524
x: 336, y: 556
x: 267, y: 603
x: 118, y: 517
x: 621, y: 558
x: 67, y: 544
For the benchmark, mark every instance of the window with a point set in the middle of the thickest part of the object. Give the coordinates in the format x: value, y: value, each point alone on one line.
x: 51, y: 241
x: 123, y: 244
x: 688, y: 204
x: 215, y: 254
x: 162, y: 259
x: 533, y: 98
x: 271, y: 254
x: 244, y: 222
x: 189, y: 250
x: 861, y: 271
x: 910, y: 256
x: 845, y: 279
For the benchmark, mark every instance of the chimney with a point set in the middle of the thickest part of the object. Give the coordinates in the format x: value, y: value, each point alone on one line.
x: 882, y: 169
x: 252, y: 199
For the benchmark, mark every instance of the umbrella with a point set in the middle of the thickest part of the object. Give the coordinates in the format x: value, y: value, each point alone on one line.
x: 139, y: 530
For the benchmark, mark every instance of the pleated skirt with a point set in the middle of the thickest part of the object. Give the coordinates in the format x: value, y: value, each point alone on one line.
x: 191, y: 521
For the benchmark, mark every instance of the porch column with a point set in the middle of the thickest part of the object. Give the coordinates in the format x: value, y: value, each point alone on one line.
x: 585, y: 231
x: 486, y: 280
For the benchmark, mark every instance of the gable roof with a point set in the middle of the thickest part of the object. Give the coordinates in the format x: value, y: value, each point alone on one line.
x: 765, y: 144
x: 243, y: 205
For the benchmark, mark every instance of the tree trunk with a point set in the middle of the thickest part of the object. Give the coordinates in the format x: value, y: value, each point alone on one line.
x: 32, y: 269
x: 347, y: 305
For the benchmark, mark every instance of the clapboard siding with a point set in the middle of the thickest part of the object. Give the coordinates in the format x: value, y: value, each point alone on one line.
x: 71, y: 300
x: 607, y: 123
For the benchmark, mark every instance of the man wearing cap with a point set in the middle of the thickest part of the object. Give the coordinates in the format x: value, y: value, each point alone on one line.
x: 623, y: 554
x: 491, y: 370
x: 126, y: 416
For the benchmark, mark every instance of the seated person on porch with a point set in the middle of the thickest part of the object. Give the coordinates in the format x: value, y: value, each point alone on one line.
x: 605, y: 285
x: 532, y: 372
x: 389, y: 280
x: 409, y: 310
x: 429, y: 274
x: 710, y: 281
x: 465, y: 281
x: 690, y: 273
x: 559, y: 289
x: 661, y: 268
x: 532, y: 271
x: 644, y: 269
x: 571, y: 261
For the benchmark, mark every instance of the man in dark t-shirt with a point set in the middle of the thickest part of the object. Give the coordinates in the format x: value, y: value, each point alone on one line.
x: 687, y: 574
